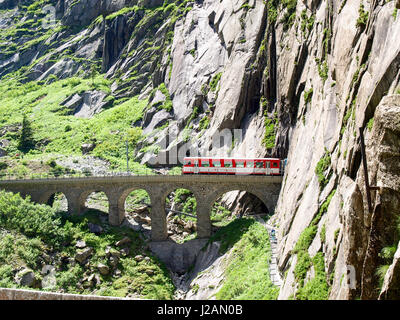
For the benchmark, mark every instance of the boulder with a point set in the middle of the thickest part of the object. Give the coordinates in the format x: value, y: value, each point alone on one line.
x: 125, y: 251
x: 90, y: 104
x: 26, y: 278
x: 4, y: 143
x: 114, y: 260
x: 159, y: 119
x: 82, y: 255
x: 80, y: 244
x: 138, y: 258
x: 143, y: 220
x: 95, y: 228
x: 72, y: 102
x: 141, y: 209
x: 87, y: 147
x: 49, y: 277
x: 123, y: 242
x: 103, y: 269
x: 3, y: 152
x: 150, y: 272
x: 117, y: 273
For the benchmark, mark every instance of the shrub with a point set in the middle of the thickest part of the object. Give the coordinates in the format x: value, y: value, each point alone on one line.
x: 308, y: 96
x: 215, y: 81
x: 363, y: 17
x: 31, y: 219
x: 3, y: 165
x: 322, y: 166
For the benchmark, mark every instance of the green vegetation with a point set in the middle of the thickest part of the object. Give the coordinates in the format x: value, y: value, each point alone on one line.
x: 63, y: 132
x: 186, y: 199
x: 36, y: 233
x: 220, y: 214
x: 271, y: 126
x: 363, y: 17
x: 323, y: 233
x: 204, y: 123
x: 290, y: 13
x: 215, y: 81
x: 370, y: 124
x: 308, y: 96
x: 26, y: 141
x: 167, y: 105
x: 247, y: 273
x: 307, y: 23
x: 387, y: 254
x: 123, y: 11
x: 322, y: 68
x: 321, y: 168
x: 317, y: 288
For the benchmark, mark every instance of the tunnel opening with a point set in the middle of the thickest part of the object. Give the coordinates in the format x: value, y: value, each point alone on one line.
x: 180, y: 208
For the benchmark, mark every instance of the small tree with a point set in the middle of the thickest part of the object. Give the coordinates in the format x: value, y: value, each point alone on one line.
x: 94, y: 72
x: 26, y: 141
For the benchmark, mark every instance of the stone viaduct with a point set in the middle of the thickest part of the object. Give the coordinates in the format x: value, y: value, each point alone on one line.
x: 206, y: 189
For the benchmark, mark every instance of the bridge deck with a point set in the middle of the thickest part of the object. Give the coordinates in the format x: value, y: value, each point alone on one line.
x: 149, y: 179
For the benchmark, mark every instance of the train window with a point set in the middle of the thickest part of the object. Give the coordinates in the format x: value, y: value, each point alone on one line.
x: 274, y: 164
x: 249, y: 164
x: 227, y: 164
x: 217, y: 163
x: 188, y: 162
x: 259, y: 165
x: 240, y: 164
x: 205, y: 164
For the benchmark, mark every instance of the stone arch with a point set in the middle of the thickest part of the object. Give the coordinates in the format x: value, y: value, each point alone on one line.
x: 185, y: 200
x: 83, y: 196
x: 50, y: 196
x: 122, y: 204
x: 263, y: 196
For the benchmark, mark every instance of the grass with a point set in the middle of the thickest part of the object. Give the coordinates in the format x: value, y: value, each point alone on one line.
x: 370, y: 124
x: 321, y: 168
x: 247, y: 274
x: 36, y: 233
x: 63, y: 132
x: 123, y: 11
x: 317, y: 288
x: 270, y: 129
x: 215, y: 81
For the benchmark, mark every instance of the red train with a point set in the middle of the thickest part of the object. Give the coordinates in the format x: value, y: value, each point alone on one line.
x: 245, y: 166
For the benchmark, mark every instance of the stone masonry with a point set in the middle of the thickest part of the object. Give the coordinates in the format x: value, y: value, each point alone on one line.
x: 206, y: 189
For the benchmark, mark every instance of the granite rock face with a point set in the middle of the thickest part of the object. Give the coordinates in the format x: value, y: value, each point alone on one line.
x: 350, y: 73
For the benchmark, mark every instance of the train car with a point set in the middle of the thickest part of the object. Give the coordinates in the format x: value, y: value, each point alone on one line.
x: 229, y: 166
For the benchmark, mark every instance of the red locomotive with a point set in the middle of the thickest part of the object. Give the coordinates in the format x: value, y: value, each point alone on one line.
x: 245, y: 166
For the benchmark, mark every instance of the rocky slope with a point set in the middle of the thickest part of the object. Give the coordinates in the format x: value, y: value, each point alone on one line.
x: 298, y: 77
